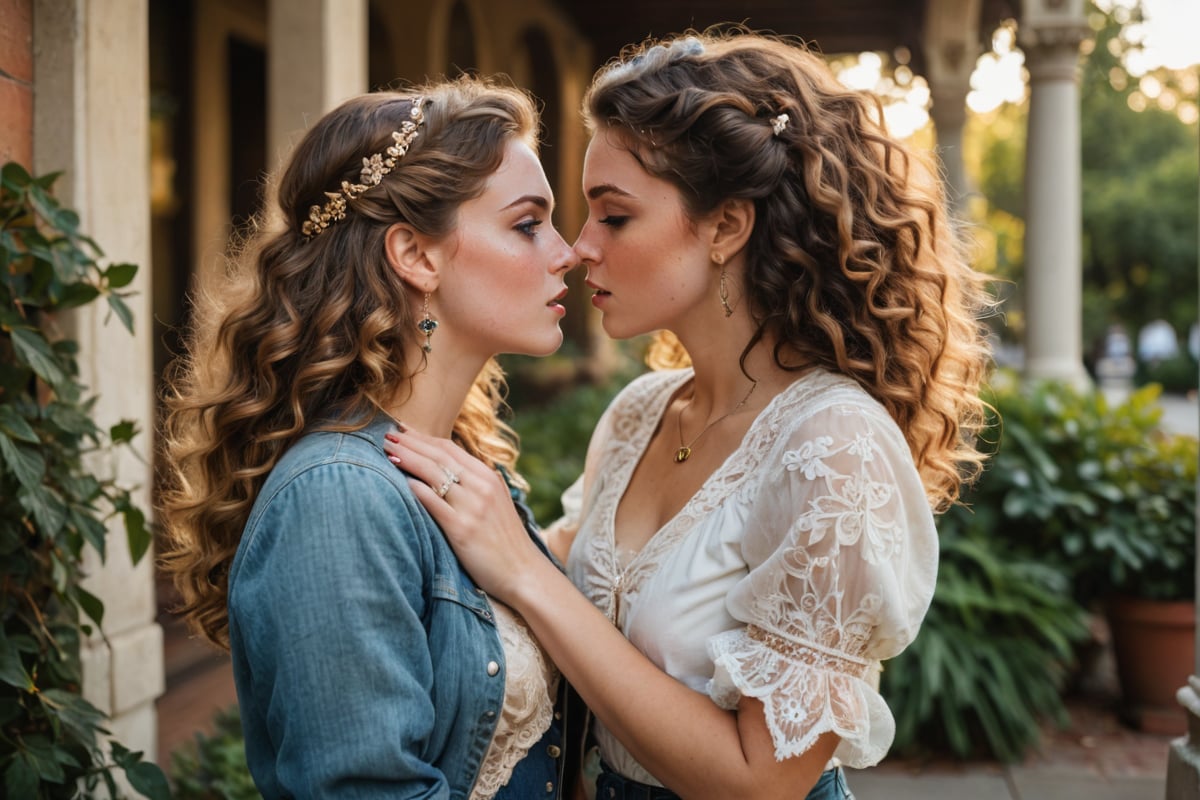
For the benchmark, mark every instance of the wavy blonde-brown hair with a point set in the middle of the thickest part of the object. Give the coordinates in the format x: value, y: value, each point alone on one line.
x: 312, y: 333
x: 852, y: 263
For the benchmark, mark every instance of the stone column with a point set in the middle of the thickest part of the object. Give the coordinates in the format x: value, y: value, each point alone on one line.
x: 91, y: 120
x: 951, y: 45
x: 316, y: 57
x: 1050, y: 34
x: 1183, y: 761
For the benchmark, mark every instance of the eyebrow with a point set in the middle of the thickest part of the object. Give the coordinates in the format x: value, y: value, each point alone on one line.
x: 602, y: 189
x: 536, y: 199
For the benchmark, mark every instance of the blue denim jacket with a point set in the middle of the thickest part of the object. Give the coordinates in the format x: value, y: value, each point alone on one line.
x: 362, y: 652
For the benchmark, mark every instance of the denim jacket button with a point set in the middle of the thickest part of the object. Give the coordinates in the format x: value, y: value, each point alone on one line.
x: 493, y: 668
x: 549, y: 787
x: 554, y: 751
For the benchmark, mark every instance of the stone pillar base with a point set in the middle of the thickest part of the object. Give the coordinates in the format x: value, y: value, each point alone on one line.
x: 1183, y: 762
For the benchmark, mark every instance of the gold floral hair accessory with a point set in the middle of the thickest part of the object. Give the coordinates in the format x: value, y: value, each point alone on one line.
x: 778, y: 124
x: 374, y: 168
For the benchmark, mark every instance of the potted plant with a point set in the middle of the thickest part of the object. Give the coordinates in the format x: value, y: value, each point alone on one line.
x: 1101, y: 491
x: 52, y: 507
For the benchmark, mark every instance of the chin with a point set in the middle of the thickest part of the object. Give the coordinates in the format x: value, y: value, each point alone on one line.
x: 547, y: 346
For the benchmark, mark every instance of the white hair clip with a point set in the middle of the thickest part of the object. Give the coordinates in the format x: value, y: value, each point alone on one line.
x: 779, y: 123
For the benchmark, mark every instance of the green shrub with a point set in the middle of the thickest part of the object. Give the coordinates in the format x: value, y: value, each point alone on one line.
x: 1098, y: 490
x: 992, y: 654
x: 53, y: 508
x: 1178, y: 375
x: 214, y: 767
x: 554, y: 441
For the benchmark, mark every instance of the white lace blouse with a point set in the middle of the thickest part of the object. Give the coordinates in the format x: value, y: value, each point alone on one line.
x: 529, y: 686
x: 805, y: 560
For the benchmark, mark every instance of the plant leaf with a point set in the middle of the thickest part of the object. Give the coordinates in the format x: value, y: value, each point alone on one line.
x: 90, y: 604
x: 24, y: 462
x: 12, y: 671
x: 120, y: 275
x: 121, y: 310
x: 16, y: 425
x: 137, y: 533
x: 148, y: 779
x: 33, y: 349
x: 20, y: 779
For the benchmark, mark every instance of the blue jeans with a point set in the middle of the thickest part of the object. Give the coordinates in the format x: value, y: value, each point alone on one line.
x: 611, y: 786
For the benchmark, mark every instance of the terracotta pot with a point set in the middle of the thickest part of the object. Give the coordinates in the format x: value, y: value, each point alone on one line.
x: 1154, y: 644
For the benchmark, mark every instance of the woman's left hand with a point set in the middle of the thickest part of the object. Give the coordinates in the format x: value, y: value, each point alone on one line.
x: 471, y: 503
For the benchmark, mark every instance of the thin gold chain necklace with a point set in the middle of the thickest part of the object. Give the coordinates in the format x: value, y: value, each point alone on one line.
x: 685, y: 450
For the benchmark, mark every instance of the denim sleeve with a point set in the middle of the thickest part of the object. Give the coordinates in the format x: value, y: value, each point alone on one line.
x: 328, y: 603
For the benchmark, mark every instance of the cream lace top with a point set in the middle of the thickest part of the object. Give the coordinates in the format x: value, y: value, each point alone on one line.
x: 530, y: 680
x: 806, y: 559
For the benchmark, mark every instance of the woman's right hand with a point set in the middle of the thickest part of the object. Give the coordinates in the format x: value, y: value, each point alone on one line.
x: 472, y: 505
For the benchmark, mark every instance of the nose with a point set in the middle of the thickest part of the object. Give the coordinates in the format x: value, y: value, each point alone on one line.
x: 585, y: 250
x: 566, y: 259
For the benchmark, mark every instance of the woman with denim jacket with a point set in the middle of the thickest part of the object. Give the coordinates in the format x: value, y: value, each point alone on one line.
x: 754, y: 533
x: 409, y: 242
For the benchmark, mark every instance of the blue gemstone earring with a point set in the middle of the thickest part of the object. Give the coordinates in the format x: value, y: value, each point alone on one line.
x: 427, y: 326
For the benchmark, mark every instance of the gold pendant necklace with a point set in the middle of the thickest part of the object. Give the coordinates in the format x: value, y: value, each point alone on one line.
x: 685, y: 450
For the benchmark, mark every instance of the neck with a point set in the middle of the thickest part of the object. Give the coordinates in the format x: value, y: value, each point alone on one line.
x: 430, y: 401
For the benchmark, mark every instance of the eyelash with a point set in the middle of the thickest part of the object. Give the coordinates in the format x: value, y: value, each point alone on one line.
x: 529, y: 227
x: 614, y: 221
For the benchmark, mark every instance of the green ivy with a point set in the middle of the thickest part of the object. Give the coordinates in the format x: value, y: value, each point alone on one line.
x: 52, y: 507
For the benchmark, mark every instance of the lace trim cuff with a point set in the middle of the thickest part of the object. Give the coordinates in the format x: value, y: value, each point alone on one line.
x: 806, y: 690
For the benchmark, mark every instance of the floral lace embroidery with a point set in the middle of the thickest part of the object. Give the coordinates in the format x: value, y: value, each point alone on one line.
x: 529, y: 684
x: 806, y: 661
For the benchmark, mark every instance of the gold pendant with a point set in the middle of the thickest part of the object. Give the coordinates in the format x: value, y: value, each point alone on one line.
x: 681, y: 455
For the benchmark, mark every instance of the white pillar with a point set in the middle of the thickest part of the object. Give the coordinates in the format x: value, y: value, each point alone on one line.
x: 91, y: 120
x: 316, y: 58
x: 1050, y: 34
x: 951, y: 46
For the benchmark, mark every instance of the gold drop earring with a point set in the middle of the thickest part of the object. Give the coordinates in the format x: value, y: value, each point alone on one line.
x: 719, y: 259
x: 427, y: 325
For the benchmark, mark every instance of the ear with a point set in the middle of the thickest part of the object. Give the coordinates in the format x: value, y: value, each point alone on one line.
x: 731, y: 224
x: 413, y: 257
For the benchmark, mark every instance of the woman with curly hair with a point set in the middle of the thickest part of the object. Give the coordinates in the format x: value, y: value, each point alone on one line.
x: 410, y: 242
x: 754, y: 530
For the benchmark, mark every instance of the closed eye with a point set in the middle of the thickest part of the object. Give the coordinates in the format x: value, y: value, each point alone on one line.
x: 614, y: 221
x: 529, y: 227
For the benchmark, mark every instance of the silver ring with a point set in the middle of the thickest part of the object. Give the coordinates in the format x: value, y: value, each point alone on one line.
x: 451, y: 475
x: 444, y: 489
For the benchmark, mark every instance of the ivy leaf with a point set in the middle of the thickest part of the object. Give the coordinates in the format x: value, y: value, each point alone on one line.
x: 78, y: 294
x: 24, y: 462
x: 32, y: 349
x: 137, y: 533
x: 92, y: 606
x: 16, y: 425
x: 47, y: 508
x: 77, y: 715
x: 20, y: 779
x: 12, y: 671
x: 123, y: 431
x: 121, y: 310
x: 148, y: 779
x: 40, y: 753
x: 120, y: 275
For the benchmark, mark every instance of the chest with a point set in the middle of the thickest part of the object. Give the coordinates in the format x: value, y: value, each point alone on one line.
x: 660, y: 486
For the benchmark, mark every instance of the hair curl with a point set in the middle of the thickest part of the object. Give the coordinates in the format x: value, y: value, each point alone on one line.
x: 312, y: 333
x: 852, y: 264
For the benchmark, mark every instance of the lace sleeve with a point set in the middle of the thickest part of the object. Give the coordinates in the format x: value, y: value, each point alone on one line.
x: 842, y: 552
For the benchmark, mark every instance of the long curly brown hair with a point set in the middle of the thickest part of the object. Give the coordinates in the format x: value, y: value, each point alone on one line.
x: 312, y: 332
x: 852, y: 264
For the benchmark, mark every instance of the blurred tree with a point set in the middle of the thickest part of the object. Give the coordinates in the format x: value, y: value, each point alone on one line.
x: 1140, y: 169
